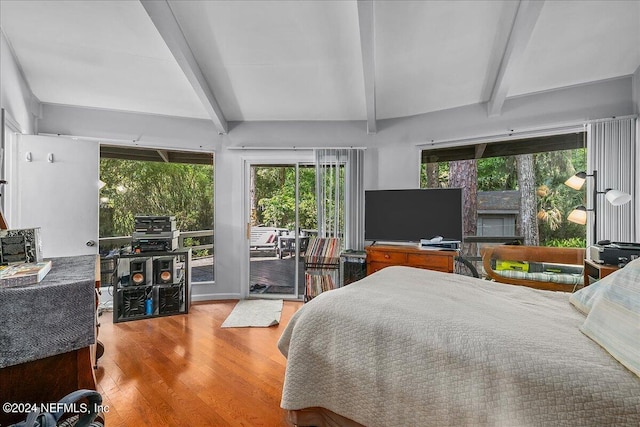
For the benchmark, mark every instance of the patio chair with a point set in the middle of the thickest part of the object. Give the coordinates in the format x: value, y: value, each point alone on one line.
x: 264, y: 239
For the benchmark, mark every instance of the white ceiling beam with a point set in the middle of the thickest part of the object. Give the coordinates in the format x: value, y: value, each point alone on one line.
x: 367, y: 45
x: 164, y: 155
x: 521, y: 31
x: 165, y: 22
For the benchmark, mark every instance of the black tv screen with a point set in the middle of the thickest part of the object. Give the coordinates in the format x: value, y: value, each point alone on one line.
x: 411, y: 215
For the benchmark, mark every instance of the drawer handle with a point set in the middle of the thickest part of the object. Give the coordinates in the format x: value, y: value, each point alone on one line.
x: 387, y: 256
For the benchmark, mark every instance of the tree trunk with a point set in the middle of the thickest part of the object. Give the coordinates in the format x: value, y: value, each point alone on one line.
x: 464, y: 174
x: 432, y: 175
x: 528, y: 225
x: 253, y: 199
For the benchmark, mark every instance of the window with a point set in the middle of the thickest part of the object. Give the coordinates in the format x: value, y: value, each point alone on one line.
x: 504, y: 177
x: 163, y: 183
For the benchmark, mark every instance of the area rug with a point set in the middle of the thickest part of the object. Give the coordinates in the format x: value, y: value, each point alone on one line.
x: 259, y: 313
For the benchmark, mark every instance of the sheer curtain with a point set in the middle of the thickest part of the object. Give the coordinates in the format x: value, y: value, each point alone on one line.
x: 340, y: 195
x: 612, y: 150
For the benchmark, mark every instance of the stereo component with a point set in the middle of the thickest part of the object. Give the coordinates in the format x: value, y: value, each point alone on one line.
x: 154, y: 234
x: 614, y: 253
x: 154, y: 224
x: 170, y: 299
x: 159, y: 242
x: 164, y: 270
x: 133, y: 301
x: 140, y: 270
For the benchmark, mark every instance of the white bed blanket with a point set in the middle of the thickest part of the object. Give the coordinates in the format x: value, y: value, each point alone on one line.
x: 412, y: 347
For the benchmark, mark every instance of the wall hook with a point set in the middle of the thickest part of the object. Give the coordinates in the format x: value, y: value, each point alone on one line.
x: 27, y: 156
x: 50, y: 157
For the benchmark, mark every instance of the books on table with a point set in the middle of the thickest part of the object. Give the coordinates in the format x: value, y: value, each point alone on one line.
x: 27, y: 273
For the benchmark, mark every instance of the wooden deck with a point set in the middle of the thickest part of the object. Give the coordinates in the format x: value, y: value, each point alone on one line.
x: 276, y: 274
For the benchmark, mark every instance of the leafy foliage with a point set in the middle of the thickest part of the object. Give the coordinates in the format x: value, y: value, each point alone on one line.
x: 571, y: 242
x: 153, y: 188
x: 497, y: 173
x: 276, y: 193
x: 554, y: 199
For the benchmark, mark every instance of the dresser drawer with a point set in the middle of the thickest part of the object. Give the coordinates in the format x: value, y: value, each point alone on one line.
x: 372, y: 267
x: 388, y: 257
x: 438, y: 263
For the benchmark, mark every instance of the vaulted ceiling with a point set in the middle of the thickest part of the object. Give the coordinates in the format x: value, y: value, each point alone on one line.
x: 314, y: 60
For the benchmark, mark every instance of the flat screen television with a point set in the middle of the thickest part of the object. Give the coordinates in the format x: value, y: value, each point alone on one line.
x: 411, y: 215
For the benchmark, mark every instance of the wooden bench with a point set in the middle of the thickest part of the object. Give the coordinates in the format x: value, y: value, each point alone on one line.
x: 535, y: 254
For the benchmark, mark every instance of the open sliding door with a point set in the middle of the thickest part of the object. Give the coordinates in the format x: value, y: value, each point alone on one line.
x: 282, y: 218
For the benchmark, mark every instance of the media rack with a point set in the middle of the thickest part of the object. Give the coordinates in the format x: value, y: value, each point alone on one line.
x: 321, y: 266
x: 152, y: 284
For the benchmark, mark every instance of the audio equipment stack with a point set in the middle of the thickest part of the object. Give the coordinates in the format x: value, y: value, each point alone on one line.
x: 154, y: 233
x: 151, y: 284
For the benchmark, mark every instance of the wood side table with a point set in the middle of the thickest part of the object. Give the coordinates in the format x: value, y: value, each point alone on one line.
x: 594, y: 271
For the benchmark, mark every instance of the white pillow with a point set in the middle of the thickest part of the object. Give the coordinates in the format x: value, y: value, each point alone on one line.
x: 584, y: 298
x: 614, y: 319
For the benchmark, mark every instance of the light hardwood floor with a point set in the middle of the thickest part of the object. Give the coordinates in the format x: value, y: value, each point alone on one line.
x: 185, y: 370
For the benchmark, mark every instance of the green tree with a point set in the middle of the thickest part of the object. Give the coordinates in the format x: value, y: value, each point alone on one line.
x: 553, y: 199
x: 153, y: 188
x: 275, y: 195
x: 497, y: 173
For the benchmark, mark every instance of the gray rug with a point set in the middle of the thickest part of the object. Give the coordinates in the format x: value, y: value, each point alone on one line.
x: 259, y: 313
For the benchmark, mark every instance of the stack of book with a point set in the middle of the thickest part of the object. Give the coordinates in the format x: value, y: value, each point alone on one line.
x: 27, y: 273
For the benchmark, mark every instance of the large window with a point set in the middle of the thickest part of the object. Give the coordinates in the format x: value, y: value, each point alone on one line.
x: 514, y: 190
x: 159, y: 183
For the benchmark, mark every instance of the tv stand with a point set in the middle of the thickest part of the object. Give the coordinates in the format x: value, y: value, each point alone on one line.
x: 381, y: 256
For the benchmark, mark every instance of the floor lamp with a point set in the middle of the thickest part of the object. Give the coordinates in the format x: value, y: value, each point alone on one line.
x: 579, y: 214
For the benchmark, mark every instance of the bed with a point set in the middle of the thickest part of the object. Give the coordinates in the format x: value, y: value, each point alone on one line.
x: 408, y: 346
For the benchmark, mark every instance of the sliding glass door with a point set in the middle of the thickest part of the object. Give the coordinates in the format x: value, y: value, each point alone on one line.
x: 282, y: 218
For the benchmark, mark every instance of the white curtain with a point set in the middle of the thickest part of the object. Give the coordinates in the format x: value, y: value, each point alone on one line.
x: 340, y: 195
x: 613, y: 151
x: 636, y: 194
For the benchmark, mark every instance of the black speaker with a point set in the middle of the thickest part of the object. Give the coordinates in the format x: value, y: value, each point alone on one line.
x: 140, y: 271
x: 132, y: 301
x: 171, y: 299
x: 164, y: 270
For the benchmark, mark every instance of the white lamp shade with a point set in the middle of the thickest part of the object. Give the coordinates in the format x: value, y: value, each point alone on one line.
x: 576, y: 181
x: 578, y: 215
x: 617, y: 197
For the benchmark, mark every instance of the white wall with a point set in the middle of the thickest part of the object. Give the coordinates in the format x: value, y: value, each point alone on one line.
x: 391, y: 157
x: 15, y: 95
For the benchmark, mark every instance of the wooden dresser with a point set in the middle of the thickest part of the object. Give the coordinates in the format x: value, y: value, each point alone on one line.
x: 381, y: 256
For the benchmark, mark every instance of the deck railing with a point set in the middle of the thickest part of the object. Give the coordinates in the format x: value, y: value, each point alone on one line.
x: 120, y: 241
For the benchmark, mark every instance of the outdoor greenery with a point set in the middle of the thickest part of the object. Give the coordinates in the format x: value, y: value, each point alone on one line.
x: 154, y: 188
x: 275, y: 194
x: 186, y: 191
x: 554, y: 199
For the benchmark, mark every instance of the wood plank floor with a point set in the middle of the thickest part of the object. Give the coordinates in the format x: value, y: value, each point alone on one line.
x: 185, y: 370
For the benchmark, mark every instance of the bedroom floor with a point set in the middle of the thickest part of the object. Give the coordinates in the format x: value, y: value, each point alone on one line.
x: 187, y: 371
